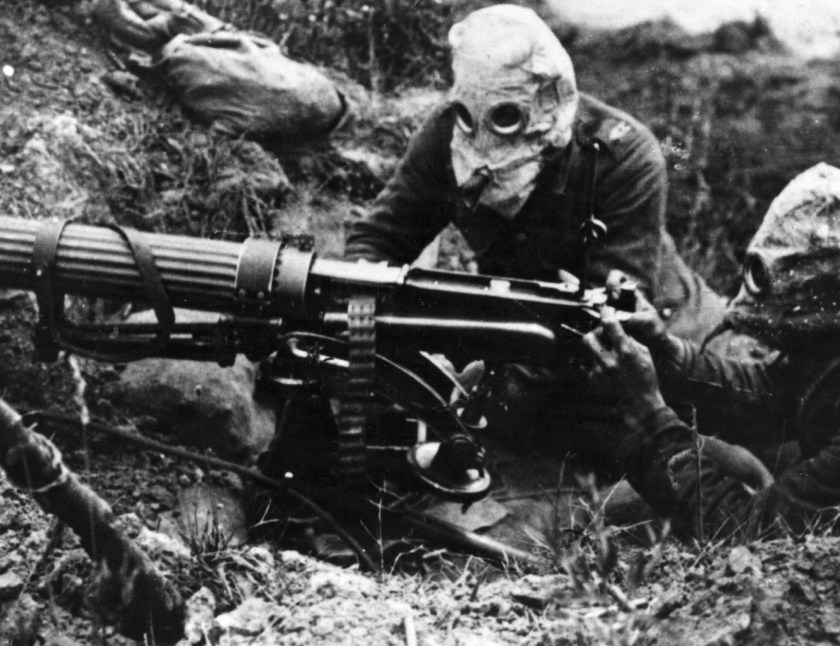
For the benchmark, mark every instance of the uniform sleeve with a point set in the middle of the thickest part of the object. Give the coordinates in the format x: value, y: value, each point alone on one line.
x: 413, y: 207
x: 766, y: 395
x: 631, y: 198
x: 809, y: 491
x: 665, y: 462
x: 708, y: 374
x: 668, y: 466
x: 746, y: 400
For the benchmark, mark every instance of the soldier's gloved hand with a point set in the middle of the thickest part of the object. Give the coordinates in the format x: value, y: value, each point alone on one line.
x: 624, y: 367
x: 645, y: 324
x: 737, y: 462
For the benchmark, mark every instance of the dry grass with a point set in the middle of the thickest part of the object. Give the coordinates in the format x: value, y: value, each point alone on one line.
x: 382, y: 44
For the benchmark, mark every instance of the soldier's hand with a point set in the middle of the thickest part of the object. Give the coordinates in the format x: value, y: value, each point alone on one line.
x: 623, y: 366
x: 645, y: 324
x: 737, y: 462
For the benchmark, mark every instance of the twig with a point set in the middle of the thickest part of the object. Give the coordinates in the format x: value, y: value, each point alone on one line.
x: 619, y: 596
x: 33, y: 463
x: 698, y: 449
x: 410, y: 630
x: 80, y: 401
x: 373, y: 61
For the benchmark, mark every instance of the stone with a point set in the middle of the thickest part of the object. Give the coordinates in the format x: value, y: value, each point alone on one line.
x: 336, y: 582
x: 199, y: 609
x: 11, y: 586
x: 197, y: 403
x: 208, y: 512
x: 252, y: 618
x: 741, y: 560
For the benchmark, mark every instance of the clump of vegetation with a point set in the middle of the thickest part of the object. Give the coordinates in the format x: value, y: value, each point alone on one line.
x: 382, y: 44
x: 152, y: 170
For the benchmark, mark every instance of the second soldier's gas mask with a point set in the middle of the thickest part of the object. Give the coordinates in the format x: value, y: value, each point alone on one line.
x: 514, y: 99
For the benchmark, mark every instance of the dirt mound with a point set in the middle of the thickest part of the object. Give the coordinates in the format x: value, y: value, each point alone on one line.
x: 779, y: 592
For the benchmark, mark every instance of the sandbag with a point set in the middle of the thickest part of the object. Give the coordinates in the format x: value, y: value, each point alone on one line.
x: 241, y: 83
x: 238, y: 82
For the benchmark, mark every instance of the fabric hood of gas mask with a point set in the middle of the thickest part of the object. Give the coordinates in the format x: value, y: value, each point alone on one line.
x: 505, y: 57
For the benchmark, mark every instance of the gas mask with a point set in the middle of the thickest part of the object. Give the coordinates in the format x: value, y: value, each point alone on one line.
x: 790, y: 296
x: 514, y: 99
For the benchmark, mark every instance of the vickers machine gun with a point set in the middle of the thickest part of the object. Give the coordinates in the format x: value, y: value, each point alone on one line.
x: 346, y: 346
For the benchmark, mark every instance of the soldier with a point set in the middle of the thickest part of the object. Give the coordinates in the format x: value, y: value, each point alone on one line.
x: 543, y: 181
x: 788, y: 300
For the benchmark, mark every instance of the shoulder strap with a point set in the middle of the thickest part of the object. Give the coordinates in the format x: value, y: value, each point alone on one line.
x: 48, y: 336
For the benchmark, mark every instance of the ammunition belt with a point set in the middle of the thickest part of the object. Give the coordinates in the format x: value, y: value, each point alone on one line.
x: 358, y: 389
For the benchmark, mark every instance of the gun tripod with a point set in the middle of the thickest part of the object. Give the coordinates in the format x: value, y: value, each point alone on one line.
x: 416, y: 444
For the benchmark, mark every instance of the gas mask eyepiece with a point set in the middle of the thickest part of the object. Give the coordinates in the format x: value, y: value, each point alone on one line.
x: 463, y: 119
x: 756, y: 276
x: 504, y: 119
x: 507, y: 119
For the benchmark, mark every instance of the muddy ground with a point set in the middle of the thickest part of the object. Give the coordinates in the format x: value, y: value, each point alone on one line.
x: 81, y: 136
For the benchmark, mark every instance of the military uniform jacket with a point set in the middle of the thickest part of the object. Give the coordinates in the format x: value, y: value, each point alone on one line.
x: 661, y: 462
x: 615, y: 170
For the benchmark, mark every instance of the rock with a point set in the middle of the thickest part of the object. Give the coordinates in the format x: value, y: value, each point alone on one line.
x: 253, y: 618
x: 8, y: 296
x: 211, y: 513
x: 248, y: 167
x: 337, y: 582
x: 323, y: 627
x: 122, y: 83
x: 480, y: 637
x: 197, y: 403
x: 162, y: 543
x: 535, y: 591
x: 830, y: 621
x: 19, y: 621
x: 803, y: 590
x: 199, y: 610
x: 58, y: 166
x: 741, y: 559
x: 11, y: 586
x: 668, y: 602
x: 381, y: 166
